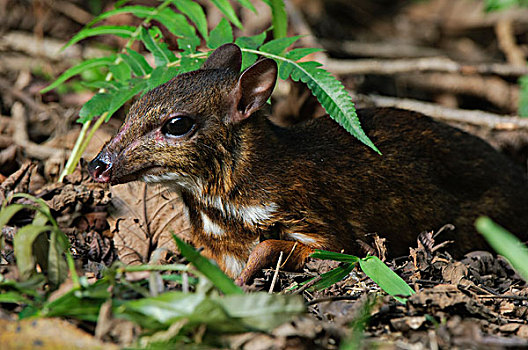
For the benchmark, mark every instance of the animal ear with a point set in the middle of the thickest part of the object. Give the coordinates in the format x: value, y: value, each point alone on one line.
x: 227, y: 56
x: 253, y: 89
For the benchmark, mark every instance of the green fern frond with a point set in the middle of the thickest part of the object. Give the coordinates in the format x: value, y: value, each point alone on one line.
x: 327, y: 89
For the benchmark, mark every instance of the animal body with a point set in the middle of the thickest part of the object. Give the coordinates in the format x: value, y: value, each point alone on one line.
x: 252, y: 189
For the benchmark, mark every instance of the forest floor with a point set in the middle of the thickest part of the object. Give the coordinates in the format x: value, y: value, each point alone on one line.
x: 447, y: 58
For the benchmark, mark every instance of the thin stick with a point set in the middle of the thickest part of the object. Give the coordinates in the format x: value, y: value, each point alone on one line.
x: 277, y: 268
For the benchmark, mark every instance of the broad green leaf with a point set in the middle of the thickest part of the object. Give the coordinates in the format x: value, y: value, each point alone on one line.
x: 225, y: 7
x: 121, y: 31
x: 188, y: 45
x: 139, y: 11
x: 88, y: 64
x: 141, y: 61
x: 331, y: 277
x: 230, y: 313
x: 328, y: 255
x: 523, y: 96
x: 13, y: 298
x: 277, y: 46
x: 96, y: 106
x: 212, y: 272
x: 167, y: 308
x: 57, y: 266
x: 175, y: 23
x: 262, y: 311
x: 332, y: 96
x: 23, y: 248
x: 250, y: 42
x: 42, y: 206
x: 195, y: 13
x: 505, y: 244
x: 160, y: 75
x: 297, y: 54
x: 188, y: 64
x: 121, y: 71
x: 222, y: 34
x: 9, y: 211
x: 83, y: 305
x: 384, y: 277
x: 279, y: 18
x: 161, y: 54
x: 247, y: 4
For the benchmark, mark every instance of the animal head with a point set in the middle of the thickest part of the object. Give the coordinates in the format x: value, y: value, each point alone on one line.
x: 180, y: 131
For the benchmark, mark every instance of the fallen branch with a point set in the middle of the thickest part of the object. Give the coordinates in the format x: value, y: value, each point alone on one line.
x: 437, y: 64
x: 21, y: 137
x: 379, y: 49
x: 474, y: 117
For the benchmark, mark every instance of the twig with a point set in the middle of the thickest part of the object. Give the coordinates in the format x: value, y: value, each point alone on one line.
x: 474, y: 117
x: 8, y: 88
x: 332, y: 298
x: 307, y: 285
x: 491, y: 88
x: 277, y: 268
x: 506, y: 40
x: 21, y: 138
x: 379, y: 49
x: 437, y: 64
x: 513, y: 297
x: 71, y: 10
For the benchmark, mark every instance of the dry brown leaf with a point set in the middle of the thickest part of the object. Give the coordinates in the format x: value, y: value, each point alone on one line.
x: 46, y: 333
x: 142, y: 218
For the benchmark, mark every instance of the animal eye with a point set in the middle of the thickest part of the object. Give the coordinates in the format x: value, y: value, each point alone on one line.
x: 178, y: 126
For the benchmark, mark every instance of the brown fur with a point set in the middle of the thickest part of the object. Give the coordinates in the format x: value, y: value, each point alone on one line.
x: 322, y: 182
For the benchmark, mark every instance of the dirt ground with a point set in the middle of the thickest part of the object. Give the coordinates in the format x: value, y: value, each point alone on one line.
x: 446, y: 58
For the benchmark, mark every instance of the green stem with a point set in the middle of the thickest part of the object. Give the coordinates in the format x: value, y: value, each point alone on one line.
x: 75, y: 154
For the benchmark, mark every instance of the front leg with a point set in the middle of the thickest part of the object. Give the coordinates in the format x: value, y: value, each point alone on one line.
x: 266, y: 253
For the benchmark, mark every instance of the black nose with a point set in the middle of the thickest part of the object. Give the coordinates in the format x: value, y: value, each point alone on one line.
x: 100, y: 168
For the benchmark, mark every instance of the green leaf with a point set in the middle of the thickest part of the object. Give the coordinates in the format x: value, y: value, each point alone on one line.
x: 121, y: 31
x: 195, y: 13
x: 13, y: 298
x: 139, y: 11
x: 57, y: 266
x: 144, y: 67
x: 188, y: 64
x: 277, y: 46
x: 212, y: 272
x: 505, y: 244
x: 96, y: 106
x: 161, y: 54
x: 222, y: 34
x: 8, y: 212
x: 23, y: 248
x: 250, y: 42
x: 230, y: 313
x: 225, y: 7
x: 332, y: 96
x: 121, y: 71
x: 297, y: 54
x: 331, y: 277
x: 262, y: 311
x: 384, y: 277
x: 160, y: 75
x: 88, y: 64
x: 83, y: 305
x: 279, y: 18
x: 188, y: 45
x: 247, y: 4
x: 523, y: 96
x: 175, y: 23
x: 328, y: 255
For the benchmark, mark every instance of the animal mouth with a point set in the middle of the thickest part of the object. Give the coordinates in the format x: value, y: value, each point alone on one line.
x: 138, y: 175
